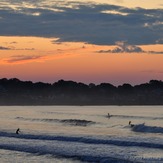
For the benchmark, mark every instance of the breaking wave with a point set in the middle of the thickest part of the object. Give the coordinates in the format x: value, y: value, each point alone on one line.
x: 73, y: 122
x: 111, y: 141
x: 147, y: 129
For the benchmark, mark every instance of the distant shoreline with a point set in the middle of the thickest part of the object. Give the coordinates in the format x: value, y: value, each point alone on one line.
x: 80, y: 105
x: 69, y: 93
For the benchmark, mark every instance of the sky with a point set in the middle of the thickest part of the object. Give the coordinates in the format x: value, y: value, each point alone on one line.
x: 96, y: 41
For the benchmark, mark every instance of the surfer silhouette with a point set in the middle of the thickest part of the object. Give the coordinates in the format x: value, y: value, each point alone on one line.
x: 17, y: 131
x: 132, y: 125
x: 109, y: 115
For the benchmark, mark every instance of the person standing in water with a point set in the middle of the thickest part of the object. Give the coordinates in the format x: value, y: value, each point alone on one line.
x: 109, y: 115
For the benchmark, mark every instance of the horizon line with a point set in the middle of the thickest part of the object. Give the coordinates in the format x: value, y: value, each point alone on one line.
x: 91, y: 83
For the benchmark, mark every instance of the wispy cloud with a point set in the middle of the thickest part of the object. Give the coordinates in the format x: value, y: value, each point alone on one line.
x: 154, y: 52
x: 29, y: 49
x: 23, y: 59
x: 4, y: 48
x: 14, y: 42
x: 13, y: 48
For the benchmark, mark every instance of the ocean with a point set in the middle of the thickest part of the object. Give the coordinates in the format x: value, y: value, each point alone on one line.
x: 75, y: 134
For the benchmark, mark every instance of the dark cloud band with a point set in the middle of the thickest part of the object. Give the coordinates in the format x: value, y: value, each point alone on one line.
x: 93, y: 23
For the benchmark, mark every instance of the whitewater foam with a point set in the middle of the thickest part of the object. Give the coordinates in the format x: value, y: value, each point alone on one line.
x: 147, y: 129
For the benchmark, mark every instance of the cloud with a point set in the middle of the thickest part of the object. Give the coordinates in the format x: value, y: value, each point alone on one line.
x: 13, y: 48
x: 159, y: 41
x: 123, y: 47
x: 14, y: 42
x: 23, y: 58
x: 154, y: 52
x: 30, y: 49
x: 81, y: 22
x: 4, y: 48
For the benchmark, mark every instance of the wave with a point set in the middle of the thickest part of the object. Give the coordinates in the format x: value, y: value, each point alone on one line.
x: 73, y: 122
x: 86, y: 157
x: 62, y: 113
x: 111, y: 141
x: 77, y: 122
x: 147, y: 129
x: 135, y: 117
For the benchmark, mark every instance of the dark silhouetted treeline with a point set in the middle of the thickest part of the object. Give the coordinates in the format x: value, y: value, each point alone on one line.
x: 16, y: 92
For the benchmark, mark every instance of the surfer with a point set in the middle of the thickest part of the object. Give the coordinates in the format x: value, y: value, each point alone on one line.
x: 131, y: 125
x: 109, y: 115
x: 17, y: 131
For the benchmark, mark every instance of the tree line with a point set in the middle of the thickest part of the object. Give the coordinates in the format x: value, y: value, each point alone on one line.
x: 16, y: 92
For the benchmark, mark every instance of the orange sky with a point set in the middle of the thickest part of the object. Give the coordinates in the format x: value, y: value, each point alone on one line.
x: 38, y: 59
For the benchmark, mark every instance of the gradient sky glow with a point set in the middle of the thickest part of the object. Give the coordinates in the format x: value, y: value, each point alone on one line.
x: 114, y: 41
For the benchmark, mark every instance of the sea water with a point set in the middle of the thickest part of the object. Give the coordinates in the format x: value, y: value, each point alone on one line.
x: 81, y: 134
